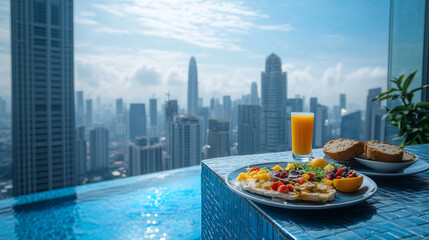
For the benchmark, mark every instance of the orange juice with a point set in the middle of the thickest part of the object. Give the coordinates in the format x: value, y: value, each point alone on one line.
x: 302, y: 133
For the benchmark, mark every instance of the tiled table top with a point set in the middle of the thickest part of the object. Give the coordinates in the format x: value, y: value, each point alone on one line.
x: 399, y: 209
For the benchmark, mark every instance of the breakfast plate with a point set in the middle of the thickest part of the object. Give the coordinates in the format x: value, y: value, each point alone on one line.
x: 366, y: 190
x: 415, y: 167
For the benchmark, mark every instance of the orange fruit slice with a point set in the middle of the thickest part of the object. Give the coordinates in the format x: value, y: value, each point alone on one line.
x: 348, y: 185
x: 318, y: 162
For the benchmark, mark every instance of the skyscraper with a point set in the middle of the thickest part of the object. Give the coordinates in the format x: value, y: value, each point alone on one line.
x: 374, y: 123
x: 313, y: 108
x: 218, y: 138
x: 320, y: 129
x: 254, y: 99
x: 343, y: 101
x: 408, y: 52
x: 88, y: 114
x: 248, y: 129
x: 273, y: 96
x: 145, y: 156
x: 227, y: 110
x: 351, y: 125
x: 79, y: 108
x: 203, y: 116
x: 295, y: 104
x: 119, y: 106
x: 185, y: 141
x: 192, y: 87
x: 171, y: 109
x: 99, y: 148
x: 42, y: 95
x: 81, y: 154
x: 137, y: 120
x: 153, y: 117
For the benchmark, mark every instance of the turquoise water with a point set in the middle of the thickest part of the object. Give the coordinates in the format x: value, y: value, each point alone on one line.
x: 165, y: 205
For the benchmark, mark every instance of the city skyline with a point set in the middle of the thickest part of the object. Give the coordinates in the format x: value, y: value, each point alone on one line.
x: 111, y: 64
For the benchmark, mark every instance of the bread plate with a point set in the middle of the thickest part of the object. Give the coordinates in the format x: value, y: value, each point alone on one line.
x: 416, y: 167
x: 385, y: 167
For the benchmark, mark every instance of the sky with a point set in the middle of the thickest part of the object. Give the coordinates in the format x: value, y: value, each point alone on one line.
x: 137, y: 49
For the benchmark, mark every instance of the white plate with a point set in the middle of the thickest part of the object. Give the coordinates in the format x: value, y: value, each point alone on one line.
x: 367, y: 190
x: 386, y: 167
x: 417, y: 167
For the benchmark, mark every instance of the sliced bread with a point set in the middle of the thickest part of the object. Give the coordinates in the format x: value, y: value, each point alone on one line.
x: 383, y: 152
x: 407, y: 157
x: 342, y: 149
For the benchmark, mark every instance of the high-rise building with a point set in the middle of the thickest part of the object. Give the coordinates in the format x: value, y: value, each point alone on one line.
x: 171, y: 109
x: 185, y: 141
x: 374, y: 123
x: 2, y: 107
x: 227, y: 108
x: 99, y: 148
x: 254, y: 99
x: 203, y: 116
x: 248, y: 129
x: 218, y: 138
x: 145, y: 156
x: 212, y: 107
x: 137, y: 120
x: 79, y: 108
x: 351, y: 125
x: 200, y: 102
x: 119, y: 106
x: 192, y: 87
x: 42, y: 95
x: 273, y: 101
x: 313, y: 108
x: 408, y: 52
x: 320, y: 126
x: 153, y: 117
x: 295, y: 104
x: 343, y: 101
x: 88, y: 114
x: 81, y: 154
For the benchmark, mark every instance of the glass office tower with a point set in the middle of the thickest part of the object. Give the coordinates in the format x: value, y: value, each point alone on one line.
x: 43, y: 95
x: 408, y: 48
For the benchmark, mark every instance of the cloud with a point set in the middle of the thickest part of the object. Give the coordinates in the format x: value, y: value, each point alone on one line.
x: 201, y: 23
x: 112, y: 30
x: 333, y: 81
x: 85, y: 21
x: 146, y: 76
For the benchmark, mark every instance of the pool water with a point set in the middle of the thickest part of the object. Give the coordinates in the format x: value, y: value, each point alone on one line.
x: 164, y: 205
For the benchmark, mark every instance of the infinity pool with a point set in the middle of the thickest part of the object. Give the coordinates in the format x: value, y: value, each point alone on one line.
x: 165, y: 205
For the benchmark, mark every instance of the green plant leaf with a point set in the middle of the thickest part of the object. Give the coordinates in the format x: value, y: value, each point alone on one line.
x: 408, y: 82
x: 419, y: 88
x: 384, y: 93
x: 424, y: 105
x: 399, y: 81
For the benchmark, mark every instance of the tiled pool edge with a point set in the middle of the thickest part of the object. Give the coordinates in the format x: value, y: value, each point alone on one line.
x: 70, y: 191
x: 386, y: 215
x: 235, y: 219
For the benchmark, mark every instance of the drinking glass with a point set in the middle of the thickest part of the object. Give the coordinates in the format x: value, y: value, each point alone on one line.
x: 302, y: 135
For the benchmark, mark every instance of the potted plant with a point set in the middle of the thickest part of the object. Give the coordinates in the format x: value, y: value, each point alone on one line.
x: 411, y: 119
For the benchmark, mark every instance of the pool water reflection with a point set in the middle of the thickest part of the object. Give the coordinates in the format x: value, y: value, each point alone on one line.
x: 166, y: 205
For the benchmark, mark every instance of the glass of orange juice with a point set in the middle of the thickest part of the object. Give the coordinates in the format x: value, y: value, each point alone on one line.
x: 302, y: 135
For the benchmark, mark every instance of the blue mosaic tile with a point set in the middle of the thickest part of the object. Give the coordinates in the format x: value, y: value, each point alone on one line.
x: 421, y: 230
x: 349, y: 235
x: 388, y: 236
x: 399, y: 209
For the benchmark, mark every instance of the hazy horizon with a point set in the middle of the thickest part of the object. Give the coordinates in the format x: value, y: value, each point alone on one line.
x: 133, y: 49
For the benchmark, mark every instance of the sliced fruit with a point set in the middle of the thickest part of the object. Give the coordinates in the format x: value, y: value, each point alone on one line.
x: 277, y: 167
x: 328, y: 167
x: 242, y: 176
x: 318, y: 162
x: 283, y: 189
x: 348, y: 185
